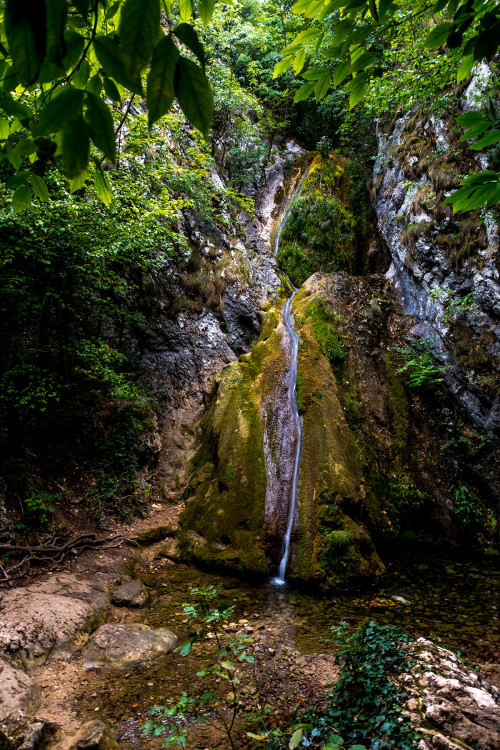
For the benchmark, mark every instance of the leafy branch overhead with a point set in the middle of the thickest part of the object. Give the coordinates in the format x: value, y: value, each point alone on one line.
x: 352, y: 35
x: 64, y: 65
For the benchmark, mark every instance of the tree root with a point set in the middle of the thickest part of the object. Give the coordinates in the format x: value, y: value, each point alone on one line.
x: 52, y: 553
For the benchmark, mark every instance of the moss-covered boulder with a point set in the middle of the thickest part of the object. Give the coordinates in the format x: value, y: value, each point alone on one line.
x: 223, y: 524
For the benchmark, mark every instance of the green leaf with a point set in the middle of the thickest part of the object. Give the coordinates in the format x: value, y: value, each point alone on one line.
x: 25, y: 147
x: 15, y: 108
x: 186, y: 9
x: 438, y: 35
x: 465, y: 68
x: 282, y: 66
x: 138, y: 31
x: 74, y: 47
x: 299, y: 61
x: 56, y: 11
x: 341, y: 71
x: 95, y: 84
x: 21, y: 200
x: 161, y: 79
x: 322, y: 87
x: 471, y: 118
x: 362, y: 61
x: 188, y: 36
x: 304, y: 91
x: 206, y: 11
x: 228, y: 665
x: 487, y: 140
x: 385, y: 8
x: 307, y: 35
x: 111, y: 90
x: 39, y: 187
x: 26, y: 31
x: 108, y: 54
x: 77, y: 182
x: 356, y: 89
x: 64, y: 106
x: 101, y: 126
x: 4, y: 129
x: 21, y: 178
x: 295, y: 739
x: 14, y: 159
x: 312, y: 74
x: 75, y: 147
x: 184, y: 648
x: 102, y: 186
x: 81, y: 76
x: 475, y: 130
x: 193, y: 94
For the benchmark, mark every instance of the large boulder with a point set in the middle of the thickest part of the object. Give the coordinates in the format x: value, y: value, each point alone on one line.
x: 94, y: 735
x: 18, y: 692
x: 50, y: 620
x: 20, y: 732
x: 122, y: 646
x: 453, y: 708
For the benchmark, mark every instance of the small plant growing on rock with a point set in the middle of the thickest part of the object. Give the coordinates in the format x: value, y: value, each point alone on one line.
x: 418, y: 360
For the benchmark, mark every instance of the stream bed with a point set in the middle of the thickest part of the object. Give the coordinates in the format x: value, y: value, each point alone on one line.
x: 454, y: 602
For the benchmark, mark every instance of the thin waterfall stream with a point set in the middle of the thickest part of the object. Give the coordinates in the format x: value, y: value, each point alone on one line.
x: 287, y: 318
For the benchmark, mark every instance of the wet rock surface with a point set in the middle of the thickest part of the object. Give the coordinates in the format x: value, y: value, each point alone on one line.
x: 453, y: 707
x: 20, y: 732
x: 122, y: 645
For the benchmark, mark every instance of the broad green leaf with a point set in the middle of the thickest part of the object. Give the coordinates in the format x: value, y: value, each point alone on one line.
x: 328, y: 9
x: 465, y: 68
x: 471, y: 118
x: 75, y: 147
x: 25, y: 147
x: 112, y: 10
x: 39, y: 187
x: 26, y: 31
x: 206, y: 11
x: 228, y: 665
x: 14, y: 159
x: 15, y: 108
x: 82, y: 7
x: 186, y: 9
x: 304, y: 91
x: 356, y: 89
x: 362, y: 61
x: 475, y: 130
x: 312, y: 74
x: 385, y: 8
x: 307, y: 35
x: 74, y: 47
x: 95, y: 84
x: 102, y: 186
x: 111, y: 90
x: 56, y: 11
x: 194, y: 95
x: 101, y: 126
x: 438, y: 35
x: 138, y: 31
x: 161, y: 79
x: 299, y: 61
x: 486, y: 141
x: 295, y: 739
x: 4, y: 129
x: 21, y: 178
x: 341, y: 71
x: 81, y: 76
x: 77, y: 182
x: 21, y: 200
x: 282, y: 66
x: 322, y: 87
x: 64, y: 106
x: 108, y: 54
x: 188, y: 36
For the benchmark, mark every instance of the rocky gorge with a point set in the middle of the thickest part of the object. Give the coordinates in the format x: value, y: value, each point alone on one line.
x: 376, y: 460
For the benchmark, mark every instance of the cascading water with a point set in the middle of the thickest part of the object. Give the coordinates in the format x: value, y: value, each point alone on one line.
x: 287, y: 318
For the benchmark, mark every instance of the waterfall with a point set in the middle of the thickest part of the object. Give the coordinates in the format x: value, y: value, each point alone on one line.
x: 287, y: 318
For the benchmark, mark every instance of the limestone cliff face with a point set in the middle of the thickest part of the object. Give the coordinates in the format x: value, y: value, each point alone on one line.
x: 203, y: 316
x: 445, y: 267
